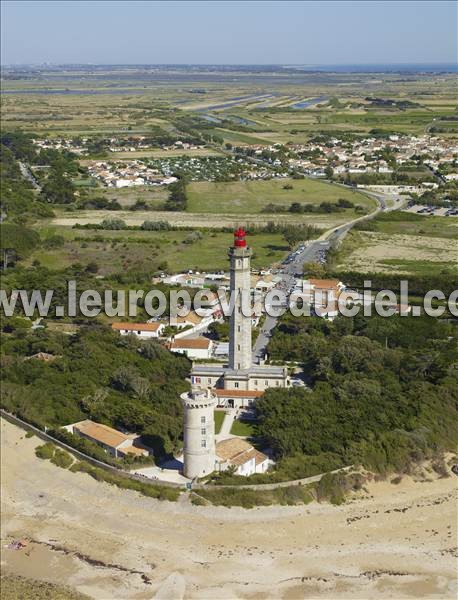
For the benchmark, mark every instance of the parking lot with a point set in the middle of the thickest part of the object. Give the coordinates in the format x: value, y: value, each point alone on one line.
x: 422, y: 209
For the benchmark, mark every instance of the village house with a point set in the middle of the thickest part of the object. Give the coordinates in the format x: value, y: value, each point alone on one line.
x: 321, y: 295
x: 193, y: 323
x: 238, y: 453
x: 236, y: 398
x: 194, y: 348
x: 114, y: 442
x: 141, y: 330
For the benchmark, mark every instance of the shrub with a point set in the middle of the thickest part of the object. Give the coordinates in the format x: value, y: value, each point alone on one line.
x: 113, y: 223
x: 331, y: 487
x: 197, y: 500
x: 155, y: 225
x: 440, y: 468
x: 54, y: 241
x: 61, y: 459
x: 46, y: 451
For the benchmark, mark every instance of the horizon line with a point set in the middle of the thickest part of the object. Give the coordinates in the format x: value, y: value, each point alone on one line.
x: 229, y: 64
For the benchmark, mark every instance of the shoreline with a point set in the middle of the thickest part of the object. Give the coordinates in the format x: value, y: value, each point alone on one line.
x: 400, y: 541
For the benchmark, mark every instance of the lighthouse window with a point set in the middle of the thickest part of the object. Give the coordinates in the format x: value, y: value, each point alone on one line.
x: 238, y: 346
x: 203, y: 431
x: 203, y: 443
x: 236, y: 384
x: 202, y: 420
x: 239, y: 328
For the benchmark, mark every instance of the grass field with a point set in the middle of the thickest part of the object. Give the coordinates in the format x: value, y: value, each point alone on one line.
x: 149, y: 251
x: 398, y: 253
x: 252, y: 196
x: 243, y: 428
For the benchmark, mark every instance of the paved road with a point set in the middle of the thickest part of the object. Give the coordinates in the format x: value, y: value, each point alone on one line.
x: 315, y: 251
x: 311, y: 253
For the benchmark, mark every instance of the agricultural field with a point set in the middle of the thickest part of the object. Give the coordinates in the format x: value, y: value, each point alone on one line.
x: 250, y: 197
x: 261, y: 109
x: 150, y: 251
x: 74, y: 114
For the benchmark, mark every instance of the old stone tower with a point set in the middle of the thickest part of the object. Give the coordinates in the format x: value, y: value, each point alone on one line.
x: 240, y: 324
x: 199, y: 433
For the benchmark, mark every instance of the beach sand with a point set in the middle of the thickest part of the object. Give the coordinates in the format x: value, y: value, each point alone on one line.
x: 399, y: 541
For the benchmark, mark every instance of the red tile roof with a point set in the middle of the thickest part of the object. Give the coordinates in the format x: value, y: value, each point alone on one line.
x: 193, y: 344
x: 324, y: 284
x: 238, y: 393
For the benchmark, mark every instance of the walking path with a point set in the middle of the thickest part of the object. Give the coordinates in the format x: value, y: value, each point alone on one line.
x: 225, y: 431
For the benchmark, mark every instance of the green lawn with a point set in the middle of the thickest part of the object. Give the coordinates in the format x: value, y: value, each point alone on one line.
x: 219, y: 418
x: 243, y: 428
x: 252, y: 196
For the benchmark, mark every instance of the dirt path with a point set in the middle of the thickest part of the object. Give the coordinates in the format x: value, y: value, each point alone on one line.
x: 397, y: 542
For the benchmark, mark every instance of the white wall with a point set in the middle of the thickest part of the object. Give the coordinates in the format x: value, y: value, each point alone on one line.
x: 143, y: 334
x: 196, y: 353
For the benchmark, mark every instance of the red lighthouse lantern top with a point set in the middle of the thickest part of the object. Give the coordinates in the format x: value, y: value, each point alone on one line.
x: 239, y: 238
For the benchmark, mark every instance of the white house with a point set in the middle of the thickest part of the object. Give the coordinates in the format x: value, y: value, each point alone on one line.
x: 141, y: 330
x: 322, y: 295
x: 120, y: 183
x: 193, y: 348
x: 264, y: 286
x: 238, y: 453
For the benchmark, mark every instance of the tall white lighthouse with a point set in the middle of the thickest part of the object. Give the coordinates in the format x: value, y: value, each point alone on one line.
x: 240, y: 283
x: 240, y: 382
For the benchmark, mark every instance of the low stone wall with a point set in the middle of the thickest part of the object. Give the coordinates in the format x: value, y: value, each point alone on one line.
x: 273, y: 486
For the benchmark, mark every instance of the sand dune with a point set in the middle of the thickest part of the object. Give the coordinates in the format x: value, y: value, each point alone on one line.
x: 397, y: 542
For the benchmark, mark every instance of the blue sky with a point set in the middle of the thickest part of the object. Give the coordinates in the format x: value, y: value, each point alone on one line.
x: 228, y: 32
